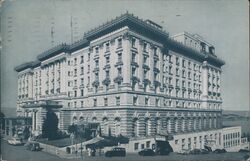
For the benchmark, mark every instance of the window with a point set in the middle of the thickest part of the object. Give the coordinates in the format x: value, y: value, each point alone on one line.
x: 119, y: 42
x: 82, y: 59
x: 176, y: 142
x: 97, y: 63
x: 75, y: 72
x: 96, y: 50
x: 133, y: 71
x: 75, y: 103
x: 134, y: 100
x: 142, y: 146
x: 95, y: 102
x: 133, y: 42
x: 183, y: 63
x: 177, y: 61
x: 105, y: 101
x: 107, y: 46
x: 81, y: 103
x: 145, y: 47
x: 177, y: 72
x: 107, y: 60
x: 69, y: 62
x: 148, y: 144
x: 145, y: 59
x: 75, y: 82
x: 155, y: 51
x: 88, y: 56
x: 118, y: 101
x: 82, y: 92
x: 107, y: 74
x: 82, y: 81
x: 88, y: 68
x: 75, y: 61
x: 136, y: 146
x: 82, y: 69
x: 133, y: 57
x: 146, y: 101
x: 75, y: 93
x: 119, y: 57
x: 96, y: 76
x: 119, y: 71
x: 88, y: 80
x: 157, y: 102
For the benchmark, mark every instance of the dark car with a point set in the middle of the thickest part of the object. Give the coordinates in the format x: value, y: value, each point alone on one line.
x: 32, y: 146
x: 146, y: 152
x: 116, y: 152
x: 204, y: 151
x: 244, y: 151
x: 219, y: 151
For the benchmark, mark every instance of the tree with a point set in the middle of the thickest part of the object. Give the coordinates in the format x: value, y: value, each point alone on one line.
x: 50, y: 126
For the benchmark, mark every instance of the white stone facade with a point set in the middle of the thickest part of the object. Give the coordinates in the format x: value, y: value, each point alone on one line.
x: 134, y: 83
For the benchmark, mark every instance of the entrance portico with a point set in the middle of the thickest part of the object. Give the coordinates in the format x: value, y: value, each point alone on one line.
x: 38, y: 110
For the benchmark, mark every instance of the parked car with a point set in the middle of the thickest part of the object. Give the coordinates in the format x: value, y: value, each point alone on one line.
x: 220, y: 151
x: 244, y: 151
x: 15, y: 141
x: 146, y: 152
x: 195, y: 151
x: 117, y: 151
x: 184, y: 152
x: 204, y: 151
x: 33, y: 146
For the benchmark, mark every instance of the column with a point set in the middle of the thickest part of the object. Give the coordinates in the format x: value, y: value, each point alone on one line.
x: 141, y: 127
x: 204, y: 84
x: 184, y: 124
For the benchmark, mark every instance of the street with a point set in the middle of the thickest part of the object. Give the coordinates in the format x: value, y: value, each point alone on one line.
x: 19, y: 153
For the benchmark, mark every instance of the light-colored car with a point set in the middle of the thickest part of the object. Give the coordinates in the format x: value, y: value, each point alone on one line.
x: 15, y: 141
x: 184, y: 151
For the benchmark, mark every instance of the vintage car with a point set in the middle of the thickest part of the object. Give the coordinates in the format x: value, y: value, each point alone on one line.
x: 15, y: 141
x: 146, y: 152
x: 117, y: 151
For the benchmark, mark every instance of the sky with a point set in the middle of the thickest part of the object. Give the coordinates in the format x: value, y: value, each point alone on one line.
x: 29, y: 27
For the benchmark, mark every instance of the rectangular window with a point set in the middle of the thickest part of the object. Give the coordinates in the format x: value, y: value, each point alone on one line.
x: 75, y: 93
x: 82, y: 59
x: 119, y: 57
x: 82, y: 70
x: 118, y: 101
x: 81, y: 103
x: 95, y: 102
x: 155, y: 51
x: 134, y: 100
x: 146, y: 101
x: 145, y: 47
x: 107, y: 47
x: 133, y: 42
x: 148, y: 144
x: 136, y: 146
x: 107, y: 74
x: 82, y: 81
x: 105, y: 101
x: 107, y: 60
x: 119, y: 71
x: 82, y: 92
x: 157, y: 102
x: 96, y: 50
x: 97, y: 63
x: 133, y: 57
x: 119, y: 42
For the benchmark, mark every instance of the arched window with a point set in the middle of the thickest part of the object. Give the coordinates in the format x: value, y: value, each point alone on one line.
x: 135, y: 127
x: 105, y: 126
x: 94, y: 119
x: 117, y: 126
x: 147, y: 127
x: 74, y: 120
x: 158, y: 125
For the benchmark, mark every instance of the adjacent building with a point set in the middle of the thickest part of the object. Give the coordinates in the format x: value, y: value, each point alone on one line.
x: 130, y: 76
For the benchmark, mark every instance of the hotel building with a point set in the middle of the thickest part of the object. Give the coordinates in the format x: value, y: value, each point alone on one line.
x: 131, y: 77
